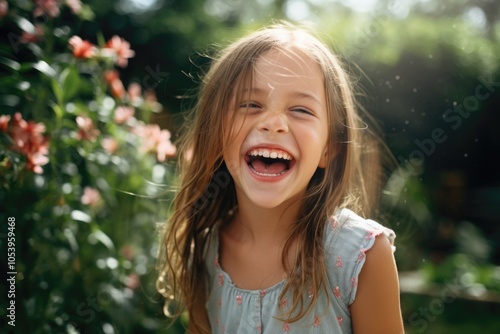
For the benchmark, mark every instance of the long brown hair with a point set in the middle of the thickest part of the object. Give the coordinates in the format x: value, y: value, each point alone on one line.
x: 207, y: 192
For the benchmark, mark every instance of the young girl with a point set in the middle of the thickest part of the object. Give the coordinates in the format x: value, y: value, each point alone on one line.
x: 262, y: 238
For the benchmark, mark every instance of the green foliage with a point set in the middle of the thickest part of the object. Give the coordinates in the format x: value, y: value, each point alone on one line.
x: 83, y: 176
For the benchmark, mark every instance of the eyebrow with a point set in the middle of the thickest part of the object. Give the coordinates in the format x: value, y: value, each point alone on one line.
x: 297, y: 94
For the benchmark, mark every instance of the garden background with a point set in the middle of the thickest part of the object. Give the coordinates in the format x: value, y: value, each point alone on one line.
x: 92, y: 96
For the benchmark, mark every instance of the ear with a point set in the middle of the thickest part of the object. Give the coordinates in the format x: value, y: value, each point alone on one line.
x: 324, y: 159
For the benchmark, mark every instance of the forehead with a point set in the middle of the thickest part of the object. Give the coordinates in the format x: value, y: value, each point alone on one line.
x: 287, y: 73
x: 287, y: 67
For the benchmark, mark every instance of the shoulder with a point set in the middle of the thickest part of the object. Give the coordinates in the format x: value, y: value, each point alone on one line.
x: 348, y: 238
x: 347, y: 225
x: 348, y: 235
x: 378, y: 288
x: 362, y: 272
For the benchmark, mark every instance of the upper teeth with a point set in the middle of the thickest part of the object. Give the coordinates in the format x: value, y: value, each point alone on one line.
x: 270, y: 153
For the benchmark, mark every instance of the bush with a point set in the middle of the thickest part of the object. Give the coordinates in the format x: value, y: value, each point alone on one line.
x: 83, y: 177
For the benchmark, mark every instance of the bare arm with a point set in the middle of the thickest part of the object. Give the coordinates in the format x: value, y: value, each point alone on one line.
x: 376, y: 308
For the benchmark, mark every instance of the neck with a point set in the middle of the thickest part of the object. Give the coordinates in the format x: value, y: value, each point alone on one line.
x: 262, y: 225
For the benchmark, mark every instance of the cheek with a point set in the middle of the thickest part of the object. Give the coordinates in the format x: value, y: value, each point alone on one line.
x: 232, y: 150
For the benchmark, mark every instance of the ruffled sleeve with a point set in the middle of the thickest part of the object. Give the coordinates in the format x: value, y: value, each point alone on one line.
x: 347, y: 238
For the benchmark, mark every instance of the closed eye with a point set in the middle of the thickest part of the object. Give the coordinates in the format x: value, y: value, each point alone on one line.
x: 303, y: 111
x: 249, y: 105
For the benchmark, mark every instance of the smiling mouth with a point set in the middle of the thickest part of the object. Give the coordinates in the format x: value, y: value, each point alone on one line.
x: 269, y: 162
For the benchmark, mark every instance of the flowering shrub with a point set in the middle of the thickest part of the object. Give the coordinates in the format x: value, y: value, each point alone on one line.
x: 83, y: 173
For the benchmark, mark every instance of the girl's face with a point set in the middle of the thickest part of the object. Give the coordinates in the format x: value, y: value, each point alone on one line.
x: 280, y: 131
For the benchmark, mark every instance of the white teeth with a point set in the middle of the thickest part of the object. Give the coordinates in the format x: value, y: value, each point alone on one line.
x: 273, y: 154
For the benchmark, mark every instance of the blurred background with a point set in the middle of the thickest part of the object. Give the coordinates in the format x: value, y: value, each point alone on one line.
x: 87, y: 156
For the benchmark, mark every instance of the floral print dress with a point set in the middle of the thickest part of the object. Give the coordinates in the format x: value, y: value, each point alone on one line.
x: 232, y: 310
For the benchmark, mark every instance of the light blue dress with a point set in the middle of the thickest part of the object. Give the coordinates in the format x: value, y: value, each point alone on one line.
x: 232, y: 310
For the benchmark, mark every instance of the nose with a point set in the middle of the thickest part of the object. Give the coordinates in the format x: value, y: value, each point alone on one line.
x: 274, y: 122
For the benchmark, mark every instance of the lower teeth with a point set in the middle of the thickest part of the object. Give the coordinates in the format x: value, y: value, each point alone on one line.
x: 265, y: 174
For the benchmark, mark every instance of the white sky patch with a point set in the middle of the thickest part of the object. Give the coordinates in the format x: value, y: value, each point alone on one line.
x: 361, y: 6
x: 137, y: 5
x: 297, y: 10
x: 476, y: 17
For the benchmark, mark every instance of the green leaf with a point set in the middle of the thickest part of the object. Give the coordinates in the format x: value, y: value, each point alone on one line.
x: 13, y: 65
x: 71, y: 239
x: 86, y: 13
x: 44, y: 68
x: 57, y: 110
x: 24, y: 24
x: 9, y: 100
x: 81, y: 216
x: 58, y: 91
x: 70, y: 81
x: 104, y: 239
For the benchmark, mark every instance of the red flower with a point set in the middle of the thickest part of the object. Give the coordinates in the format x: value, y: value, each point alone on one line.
x: 32, y: 37
x: 4, y: 122
x: 29, y: 140
x: 81, y: 48
x: 122, y: 50
x: 86, y: 129
x: 46, y: 7
x: 115, y: 84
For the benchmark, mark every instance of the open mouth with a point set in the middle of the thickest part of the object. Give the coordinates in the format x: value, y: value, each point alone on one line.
x: 269, y: 162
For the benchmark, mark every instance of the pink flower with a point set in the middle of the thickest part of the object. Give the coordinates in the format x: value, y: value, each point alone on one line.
x: 4, y: 122
x: 336, y: 292
x: 46, y: 7
x: 36, y: 161
x: 29, y: 140
x: 115, y: 84
x: 150, y: 100
x: 74, y: 5
x: 220, y: 280
x: 155, y: 140
x: 134, y: 92
x: 90, y: 197
x: 86, y: 130
x: 123, y: 114
x: 4, y: 8
x: 121, y: 49
x: 132, y: 281
x: 81, y: 48
x: 150, y: 96
x: 109, y: 145
x: 164, y: 147
x: 338, y: 262
x: 284, y: 302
